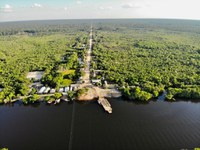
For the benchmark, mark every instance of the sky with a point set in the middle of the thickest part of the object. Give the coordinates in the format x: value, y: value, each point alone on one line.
x: 18, y: 10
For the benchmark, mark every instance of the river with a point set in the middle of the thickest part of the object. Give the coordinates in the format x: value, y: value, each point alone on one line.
x: 157, y: 125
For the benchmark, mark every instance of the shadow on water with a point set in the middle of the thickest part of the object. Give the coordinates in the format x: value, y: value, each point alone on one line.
x: 136, y: 102
x: 196, y: 101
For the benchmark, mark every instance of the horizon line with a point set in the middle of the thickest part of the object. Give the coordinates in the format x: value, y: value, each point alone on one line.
x: 186, y: 19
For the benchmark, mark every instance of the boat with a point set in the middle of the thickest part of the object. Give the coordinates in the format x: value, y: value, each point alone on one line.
x: 57, y: 101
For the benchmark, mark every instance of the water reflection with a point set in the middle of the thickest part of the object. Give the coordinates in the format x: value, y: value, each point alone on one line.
x: 133, y: 125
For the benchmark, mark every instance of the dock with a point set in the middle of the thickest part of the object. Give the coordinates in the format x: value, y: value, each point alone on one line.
x: 106, y: 105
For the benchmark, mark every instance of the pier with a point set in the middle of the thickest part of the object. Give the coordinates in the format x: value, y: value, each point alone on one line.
x: 106, y: 105
x: 94, y: 90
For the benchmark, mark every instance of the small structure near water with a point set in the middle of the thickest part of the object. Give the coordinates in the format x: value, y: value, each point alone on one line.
x: 106, y: 105
x: 42, y: 90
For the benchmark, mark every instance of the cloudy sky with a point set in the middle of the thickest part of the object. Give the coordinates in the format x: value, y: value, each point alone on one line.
x: 15, y: 10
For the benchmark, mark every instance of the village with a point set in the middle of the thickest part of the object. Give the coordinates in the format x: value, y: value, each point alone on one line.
x: 71, y: 78
x: 99, y: 87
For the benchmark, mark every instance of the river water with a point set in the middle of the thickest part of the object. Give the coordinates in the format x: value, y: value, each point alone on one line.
x: 85, y: 126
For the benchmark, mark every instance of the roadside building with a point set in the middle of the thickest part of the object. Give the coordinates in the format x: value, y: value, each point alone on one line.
x: 95, y: 82
x: 61, y: 90
x: 66, y: 89
x: 46, y: 90
x: 42, y: 90
x: 36, y: 75
x: 52, y: 91
x: 74, y: 87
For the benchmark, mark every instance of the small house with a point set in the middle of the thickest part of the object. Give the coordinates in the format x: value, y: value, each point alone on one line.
x: 96, y: 81
x: 66, y: 89
x: 61, y: 90
x: 74, y: 87
x: 52, y: 91
x: 42, y: 90
x: 46, y: 90
x: 36, y: 75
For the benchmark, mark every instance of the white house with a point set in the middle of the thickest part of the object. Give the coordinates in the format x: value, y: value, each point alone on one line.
x: 42, y: 90
x: 66, y: 89
x: 52, y: 91
x: 61, y: 90
x: 96, y: 81
x: 46, y: 90
x: 36, y: 75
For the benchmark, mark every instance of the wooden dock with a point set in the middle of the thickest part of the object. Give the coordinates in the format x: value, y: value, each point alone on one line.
x: 106, y: 105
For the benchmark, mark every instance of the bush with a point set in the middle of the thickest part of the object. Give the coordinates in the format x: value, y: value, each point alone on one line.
x: 82, y: 91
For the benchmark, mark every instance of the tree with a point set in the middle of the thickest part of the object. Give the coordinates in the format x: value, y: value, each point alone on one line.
x: 66, y: 82
x: 24, y: 89
x: 2, y: 97
x: 34, y: 98
x: 47, y: 98
x: 71, y: 95
x: 33, y: 91
x: 57, y: 95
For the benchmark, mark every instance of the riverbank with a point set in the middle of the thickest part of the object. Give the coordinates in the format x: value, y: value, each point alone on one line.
x: 95, y: 92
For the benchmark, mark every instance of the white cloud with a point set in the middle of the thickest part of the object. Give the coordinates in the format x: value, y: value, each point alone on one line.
x: 7, y: 8
x: 91, y: 9
x: 106, y: 8
x: 65, y: 8
x: 78, y: 2
x: 131, y: 5
x: 36, y: 5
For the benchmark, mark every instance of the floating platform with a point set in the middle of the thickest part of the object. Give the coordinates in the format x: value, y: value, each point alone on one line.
x: 106, y: 105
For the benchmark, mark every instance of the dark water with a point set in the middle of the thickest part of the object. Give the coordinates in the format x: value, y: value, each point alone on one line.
x: 157, y: 126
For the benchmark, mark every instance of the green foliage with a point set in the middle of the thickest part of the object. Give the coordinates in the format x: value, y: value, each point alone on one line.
x: 33, y: 98
x: 38, y: 47
x: 151, y: 56
x: 3, y: 148
x: 2, y: 96
x: 144, y: 56
x: 193, y: 93
x: 25, y: 101
x: 66, y: 82
x: 47, y: 98
x: 82, y: 91
x: 71, y: 95
x: 57, y: 95
x: 33, y: 91
x: 137, y: 94
x: 142, y: 95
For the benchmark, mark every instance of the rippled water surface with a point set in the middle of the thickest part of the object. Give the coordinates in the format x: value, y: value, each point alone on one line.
x: 157, y: 126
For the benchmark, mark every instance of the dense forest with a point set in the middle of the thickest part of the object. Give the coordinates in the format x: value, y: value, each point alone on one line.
x: 147, y: 57
x: 144, y: 57
x: 39, y: 46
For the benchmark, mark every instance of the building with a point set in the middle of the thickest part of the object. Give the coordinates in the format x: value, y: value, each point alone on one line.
x: 42, y: 90
x: 96, y: 81
x: 52, y: 91
x: 105, y: 84
x: 66, y: 89
x: 46, y: 90
x: 74, y: 87
x: 61, y: 90
x: 36, y: 75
